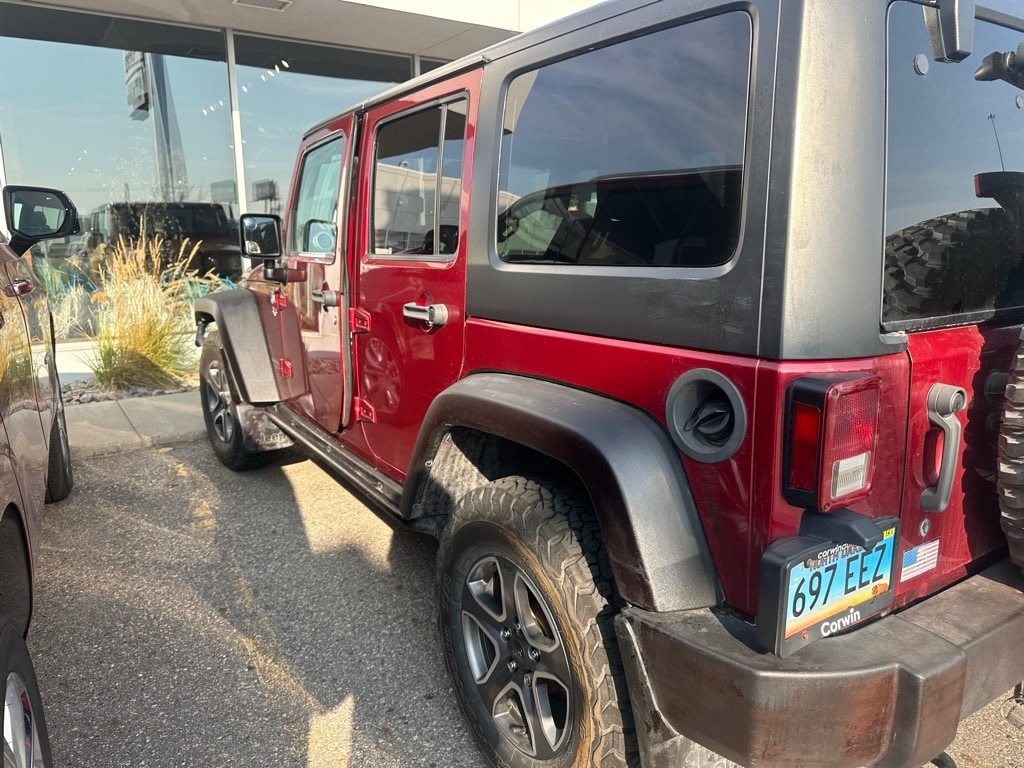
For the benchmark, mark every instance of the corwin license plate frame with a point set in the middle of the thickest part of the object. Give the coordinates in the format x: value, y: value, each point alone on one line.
x: 779, y: 561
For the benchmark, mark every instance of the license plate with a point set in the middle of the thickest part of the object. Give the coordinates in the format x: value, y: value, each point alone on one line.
x: 816, y: 589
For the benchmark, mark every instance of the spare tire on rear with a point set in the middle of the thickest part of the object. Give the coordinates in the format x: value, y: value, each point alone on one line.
x: 949, y: 265
x: 1011, y: 460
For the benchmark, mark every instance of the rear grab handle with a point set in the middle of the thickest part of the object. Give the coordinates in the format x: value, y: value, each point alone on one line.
x: 944, y: 402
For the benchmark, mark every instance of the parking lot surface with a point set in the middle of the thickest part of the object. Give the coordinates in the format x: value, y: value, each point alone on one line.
x: 187, y: 615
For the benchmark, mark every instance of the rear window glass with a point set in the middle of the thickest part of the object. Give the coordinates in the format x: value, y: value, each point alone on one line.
x: 955, y: 180
x: 629, y: 155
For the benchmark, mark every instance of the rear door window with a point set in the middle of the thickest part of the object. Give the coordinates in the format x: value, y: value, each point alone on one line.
x: 417, y: 185
x: 955, y: 181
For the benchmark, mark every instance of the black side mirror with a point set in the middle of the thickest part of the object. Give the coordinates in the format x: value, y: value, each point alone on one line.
x: 36, y: 213
x: 261, y: 236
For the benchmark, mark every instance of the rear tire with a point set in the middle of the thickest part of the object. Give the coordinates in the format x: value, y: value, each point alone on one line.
x: 26, y: 743
x: 219, y: 398
x: 526, y: 603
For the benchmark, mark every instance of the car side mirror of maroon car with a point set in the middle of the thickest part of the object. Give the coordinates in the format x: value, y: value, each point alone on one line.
x: 33, y: 214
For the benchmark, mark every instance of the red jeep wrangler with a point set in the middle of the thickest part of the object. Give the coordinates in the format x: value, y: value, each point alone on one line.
x: 685, y: 326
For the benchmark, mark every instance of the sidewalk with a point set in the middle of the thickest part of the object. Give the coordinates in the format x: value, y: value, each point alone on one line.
x: 116, y: 426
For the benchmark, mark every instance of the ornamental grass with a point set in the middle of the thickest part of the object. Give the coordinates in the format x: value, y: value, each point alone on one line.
x: 143, y: 313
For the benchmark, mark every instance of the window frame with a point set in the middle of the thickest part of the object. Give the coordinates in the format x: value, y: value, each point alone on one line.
x: 315, y: 256
x: 444, y: 102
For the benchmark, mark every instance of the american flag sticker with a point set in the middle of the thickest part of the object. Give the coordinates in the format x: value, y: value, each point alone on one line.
x: 919, y: 560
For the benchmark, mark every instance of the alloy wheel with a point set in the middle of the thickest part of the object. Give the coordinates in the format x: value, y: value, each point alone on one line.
x: 21, y: 738
x: 218, y: 402
x: 517, y: 657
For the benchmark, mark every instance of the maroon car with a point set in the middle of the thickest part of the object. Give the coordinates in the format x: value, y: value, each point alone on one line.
x: 35, y: 465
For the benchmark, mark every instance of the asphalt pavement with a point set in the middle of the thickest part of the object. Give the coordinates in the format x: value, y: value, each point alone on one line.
x: 189, y: 615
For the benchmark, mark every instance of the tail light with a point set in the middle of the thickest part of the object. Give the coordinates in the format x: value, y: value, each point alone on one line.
x: 831, y: 423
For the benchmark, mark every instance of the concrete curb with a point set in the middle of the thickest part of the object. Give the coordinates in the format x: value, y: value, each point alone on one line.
x: 119, y: 426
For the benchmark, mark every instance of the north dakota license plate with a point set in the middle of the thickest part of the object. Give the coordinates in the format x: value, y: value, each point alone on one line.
x: 824, y: 588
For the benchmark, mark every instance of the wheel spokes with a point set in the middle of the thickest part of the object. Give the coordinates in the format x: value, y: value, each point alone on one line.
x: 485, y: 590
x: 517, y: 657
x: 483, y: 617
x: 19, y: 726
x: 551, y: 713
x: 534, y: 617
x: 218, y: 403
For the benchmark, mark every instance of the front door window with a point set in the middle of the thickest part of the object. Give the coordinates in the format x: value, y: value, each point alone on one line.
x: 314, y: 226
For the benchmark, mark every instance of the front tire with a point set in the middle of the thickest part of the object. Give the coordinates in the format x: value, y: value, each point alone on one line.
x: 26, y: 742
x: 219, y: 399
x: 526, y: 604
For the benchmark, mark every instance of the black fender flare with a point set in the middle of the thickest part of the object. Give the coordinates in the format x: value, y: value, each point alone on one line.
x: 237, y: 315
x: 652, y: 531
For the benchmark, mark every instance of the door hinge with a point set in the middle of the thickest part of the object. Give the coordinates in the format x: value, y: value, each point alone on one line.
x: 278, y: 302
x: 284, y: 367
x: 363, y: 410
x: 358, y: 321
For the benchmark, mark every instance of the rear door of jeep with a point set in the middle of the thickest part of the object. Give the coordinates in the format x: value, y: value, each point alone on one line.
x: 954, y: 283
x: 413, y: 202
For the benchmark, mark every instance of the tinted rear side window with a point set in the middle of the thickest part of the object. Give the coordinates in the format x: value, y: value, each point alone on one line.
x: 954, y: 181
x: 629, y: 155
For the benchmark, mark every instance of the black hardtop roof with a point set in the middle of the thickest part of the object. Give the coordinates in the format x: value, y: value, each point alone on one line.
x: 563, y: 26
x: 579, y: 20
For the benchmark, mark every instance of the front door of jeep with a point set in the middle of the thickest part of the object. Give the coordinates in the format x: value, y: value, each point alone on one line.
x: 314, y: 319
x: 414, y: 183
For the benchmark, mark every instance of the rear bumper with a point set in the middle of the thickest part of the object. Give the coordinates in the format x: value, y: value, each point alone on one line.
x: 889, y: 694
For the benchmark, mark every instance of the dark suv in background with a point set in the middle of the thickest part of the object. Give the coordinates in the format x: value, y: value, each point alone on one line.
x: 183, y: 226
x: 35, y: 466
x: 710, y: 388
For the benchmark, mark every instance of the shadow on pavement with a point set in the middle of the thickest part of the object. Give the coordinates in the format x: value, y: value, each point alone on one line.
x: 188, y: 615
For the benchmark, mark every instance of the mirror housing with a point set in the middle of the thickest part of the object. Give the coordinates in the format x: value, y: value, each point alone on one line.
x: 261, y: 236
x: 34, y: 214
x: 261, y: 241
x: 319, y: 237
x: 951, y: 29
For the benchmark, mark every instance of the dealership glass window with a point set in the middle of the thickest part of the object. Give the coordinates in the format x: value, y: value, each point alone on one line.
x: 429, y: 65
x: 113, y: 110
x: 116, y: 113
x: 629, y: 155
x: 284, y: 88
